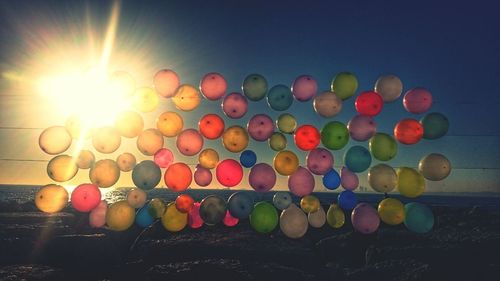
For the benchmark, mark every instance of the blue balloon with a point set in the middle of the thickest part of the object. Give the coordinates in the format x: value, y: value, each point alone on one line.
x: 248, y: 158
x: 280, y: 97
x: 143, y: 217
x: 240, y: 204
x: 347, y: 200
x: 146, y: 175
x: 418, y: 217
x: 282, y: 200
x: 357, y: 159
x: 331, y: 179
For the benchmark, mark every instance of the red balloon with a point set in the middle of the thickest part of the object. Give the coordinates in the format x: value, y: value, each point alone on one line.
x: 229, y: 172
x: 369, y: 103
x: 178, y: 177
x: 194, y: 218
x: 211, y: 126
x: 213, y: 86
x: 184, y: 203
x: 408, y: 131
x: 229, y: 220
x: 164, y: 157
x: 307, y: 137
x: 85, y: 197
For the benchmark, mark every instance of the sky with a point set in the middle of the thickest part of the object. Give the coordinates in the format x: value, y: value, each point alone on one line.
x: 447, y: 47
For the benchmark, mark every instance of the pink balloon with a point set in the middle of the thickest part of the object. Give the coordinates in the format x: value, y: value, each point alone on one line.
x: 213, y: 86
x: 164, y: 157
x: 365, y: 218
x: 304, y: 88
x: 85, y: 197
x: 260, y: 127
x: 301, y: 183
x: 194, y: 218
x: 262, y: 177
x: 349, y: 180
x: 229, y: 172
x: 97, y: 217
x: 362, y: 127
x: 369, y: 103
x: 189, y: 142
x: 230, y: 220
x: 235, y: 105
x: 202, y: 176
x: 319, y: 161
x: 417, y: 100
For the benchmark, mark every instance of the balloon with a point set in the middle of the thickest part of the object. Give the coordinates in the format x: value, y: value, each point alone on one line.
x: 361, y: 128
x: 286, y: 123
x: 357, y: 159
x: 186, y: 98
x: 235, y: 139
x: 347, y: 200
x: 335, y: 217
x: 306, y: 137
x: 75, y: 128
x: 334, y: 135
x: 382, y: 178
x: 304, y: 88
x: 434, y: 167
x: 260, y: 127
x: 143, y: 218
x: 156, y: 208
x: 164, y: 157
x: 331, y: 180
x: 264, y: 217
x: 262, y: 177
x: 327, y: 104
x: 369, y: 103
x: 62, y: 168
x: 213, y: 209
x: 208, y: 158
x: 383, y: 147
x: 309, y: 204
x: 279, y: 98
x: 391, y: 211
x: 213, y: 86
x: 106, y: 140
x: 166, y: 82
x: 97, y: 217
x: 178, y: 177
x: 389, y: 87
x: 146, y: 175
x: 123, y: 83
x: 365, y: 218
x: 85, y: 159
x: 230, y: 220
x: 408, y: 131
x: 435, y: 125
x: 85, y: 197
x: 293, y: 222
x: 173, y: 220
x: 136, y: 198
x: 202, y: 176
x: 170, y: 123
x: 418, y: 217
x: 240, y: 204
x: 54, y: 140
x: 319, y: 161
x: 211, y: 126
x: 145, y: 99
x: 129, y: 124
x: 194, y: 219
x: 417, y: 100
x: 301, y: 183
x: 410, y: 182
x: 348, y: 179
x: 254, y: 87
x: 150, y: 141
x: 277, y: 141
x: 285, y: 162
x: 120, y: 216
x: 282, y: 200
x: 318, y: 218
x: 51, y: 198
x: 344, y: 85
x: 189, y: 142
x: 235, y: 105
x: 126, y: 162
x: 229, y: 172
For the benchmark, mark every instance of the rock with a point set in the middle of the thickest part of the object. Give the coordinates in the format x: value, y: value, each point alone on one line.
x: 30, y: 272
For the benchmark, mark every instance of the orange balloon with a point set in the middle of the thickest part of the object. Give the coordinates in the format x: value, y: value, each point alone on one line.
x: 208, y: 158
x: 126, y: 162
x: 408, y: 131
x: 187, y: 98
x: 105, y: 173
x: 85, y: 159
x: 106, y: 140
x: 62, y: 168
x: 235, y: 139
x: 150, y: 141
x: 211, y: 126
x: 184, y: 203
x: 178, y: 177
x: 129, y: 124
x: 51, y: 198
x: 166, y: 82
x: 286, y: 162
x: 170, y: 123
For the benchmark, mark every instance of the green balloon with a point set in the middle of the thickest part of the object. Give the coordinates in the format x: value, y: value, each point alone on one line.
x: 286, y: 123
x: 334, y: 135
x: 435, y: 125
x: 264, y: 217
x: 254, y: 87
x: 344, y: 85
x: 418, y: 217
x: 383, y: 147
x: 277, y: 141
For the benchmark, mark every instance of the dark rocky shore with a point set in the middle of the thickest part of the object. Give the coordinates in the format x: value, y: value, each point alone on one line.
x: 464, y: 245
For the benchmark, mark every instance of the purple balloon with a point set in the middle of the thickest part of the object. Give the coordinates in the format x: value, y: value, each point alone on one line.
x: 319, y: 161
x: 365, y: 218
x: 304, y: 88
x: 235, y: 105
x: 260, y: 127
x: 362, y: 127
x: 349, y: 180
x: 262, y: 177
x: 301, y: 183
x: 417, y: 100
x: 202, y: 176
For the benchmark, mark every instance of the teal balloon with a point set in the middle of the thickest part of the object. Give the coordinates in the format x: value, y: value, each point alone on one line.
x: 264, y: 217
x: 334, y: 135
x: 357, y: 159
x: 240, y: 204
x: 280, y: 97
x: 282, y: 200
x: 418, y: 217
x: 254, y: 87
x: 146, y: 175
x: 143, y: 217
x: 435, y: 125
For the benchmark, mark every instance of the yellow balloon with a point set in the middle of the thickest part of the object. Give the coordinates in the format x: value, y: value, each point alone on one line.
x: 126, y: 162
x: 208, y: 158
x: 150, y: 141
x: 62, y: 168
x: 286, y: 162
x: 187, y: 98
x: 335, y: 217
x: 120, y: 216
x: 382, y: 178
x: 391, y: 211
x: 173, y: 220
x: 309, y: 204
x: 76, y: 129
x: 129, y: 124
x: 136, y: 198
x: 145, y: 99
x: 106, y: 140
x: 105, y: 173
x: 51, y: 198
x: 235, y: 139
x: 410, y: 182
x: 85, y: 159
x: 156, y: 207
x: 54, y: 140
x: 434, y: 167
x: 318, y: 218
x: 170, y: 123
